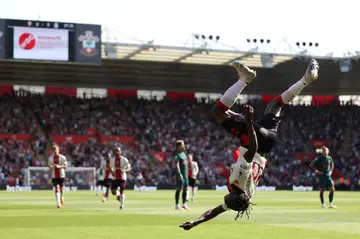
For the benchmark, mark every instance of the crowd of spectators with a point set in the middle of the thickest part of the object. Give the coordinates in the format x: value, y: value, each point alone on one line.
x: 13, y: 119
x: 16, y: 156
x: 63, y: 114
x: 156, y: 124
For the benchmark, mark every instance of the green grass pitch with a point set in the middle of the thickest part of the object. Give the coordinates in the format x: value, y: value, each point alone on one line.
x: 151, y: 215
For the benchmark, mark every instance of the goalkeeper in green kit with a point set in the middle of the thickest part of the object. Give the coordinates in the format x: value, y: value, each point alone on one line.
x: 324, y: 165
x: 181, y: 173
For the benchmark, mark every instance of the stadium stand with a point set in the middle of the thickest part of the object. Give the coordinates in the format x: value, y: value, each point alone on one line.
x: 153, y: 125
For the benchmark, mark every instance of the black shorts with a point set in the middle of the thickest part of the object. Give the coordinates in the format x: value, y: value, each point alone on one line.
x: 58, y: 181
x: 118, y: 183
x: 100, y: 183
x: 266, y: 131
x: 192, y: 182
x: 108, y: 182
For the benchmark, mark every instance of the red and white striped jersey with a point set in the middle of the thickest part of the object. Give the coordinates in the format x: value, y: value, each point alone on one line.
x: 193, y: 170
x: 246, y: 176
x: 60, y: 160
x: 120, y: 166
x: 106, y: 167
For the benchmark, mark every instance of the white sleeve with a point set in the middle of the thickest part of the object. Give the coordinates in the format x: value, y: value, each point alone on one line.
x: 196, y: 168
x: 64, y: 161
x: 127, y: 165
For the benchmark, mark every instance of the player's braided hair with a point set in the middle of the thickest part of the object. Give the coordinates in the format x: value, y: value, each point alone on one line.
x: 246, y: 209
x: 240, y: 202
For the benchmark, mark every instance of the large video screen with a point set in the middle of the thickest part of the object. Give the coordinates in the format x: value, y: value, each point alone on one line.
x: 28, y: 40
x: 41, y: 44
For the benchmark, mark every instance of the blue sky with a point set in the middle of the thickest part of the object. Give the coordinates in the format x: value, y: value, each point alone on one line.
x: 333, y: 24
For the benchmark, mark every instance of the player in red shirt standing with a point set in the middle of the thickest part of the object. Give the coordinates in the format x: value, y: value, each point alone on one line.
x: 57, y: 164
x: 108, y: 177
x: 120, y: 166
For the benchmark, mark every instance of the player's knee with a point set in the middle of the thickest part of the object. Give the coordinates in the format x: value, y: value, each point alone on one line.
x: 57, y: 188
x: 113, y: 191
x: 218, y: 113
x: 274, y: 106
x: 332, y: 190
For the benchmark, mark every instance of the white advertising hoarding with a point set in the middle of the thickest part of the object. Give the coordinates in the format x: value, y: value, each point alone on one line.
x: 41, y: 44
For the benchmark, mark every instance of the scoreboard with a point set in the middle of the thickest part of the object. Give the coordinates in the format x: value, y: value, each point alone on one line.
x: 50, y: 41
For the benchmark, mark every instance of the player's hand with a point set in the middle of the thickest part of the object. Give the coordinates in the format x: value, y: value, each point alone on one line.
x: 248, y: 112
x: 187, y: 225
x: 58, y: 166
x: 320, y: 173
x: 181, y: 177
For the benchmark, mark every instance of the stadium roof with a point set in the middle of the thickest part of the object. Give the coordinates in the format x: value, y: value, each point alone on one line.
x: 200, y: 55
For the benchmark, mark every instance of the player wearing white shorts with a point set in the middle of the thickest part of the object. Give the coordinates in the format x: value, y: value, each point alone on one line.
x: 245, y: 174
x: 57, y: 164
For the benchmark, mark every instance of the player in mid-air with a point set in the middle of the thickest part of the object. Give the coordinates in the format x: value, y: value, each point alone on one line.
x: 57, y: 164
x: 245, y: 174
x: 181, y: 174
x: 324, y: 165
x: 257, y: 139
x: 266, y: 128
x: 120, y: 165
x: 192, y: 174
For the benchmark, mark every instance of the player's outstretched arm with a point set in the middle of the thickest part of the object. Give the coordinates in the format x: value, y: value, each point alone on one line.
x: 252, y: 139
x: 208, y: 215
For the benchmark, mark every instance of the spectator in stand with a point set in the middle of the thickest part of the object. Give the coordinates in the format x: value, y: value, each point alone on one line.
x: 157, y: 123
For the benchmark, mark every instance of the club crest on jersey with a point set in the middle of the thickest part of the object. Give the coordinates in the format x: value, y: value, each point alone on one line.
x: 244, y: 167
x: 89, y: 41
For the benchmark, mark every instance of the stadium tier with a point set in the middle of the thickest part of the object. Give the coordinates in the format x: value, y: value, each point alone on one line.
x: 87, y: 125
x: 173, y: 76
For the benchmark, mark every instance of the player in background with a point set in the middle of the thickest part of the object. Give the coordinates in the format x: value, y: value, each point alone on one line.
x: 266, y: 128
x: 192, y: 173
x: 57, y: 164
x: 100, y: 183
x: 108, y: 177
x: 245, y: 175
x: 181, y: 174
x: 120, y: 165
x: 324, y: 165
x: 139, y: 178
